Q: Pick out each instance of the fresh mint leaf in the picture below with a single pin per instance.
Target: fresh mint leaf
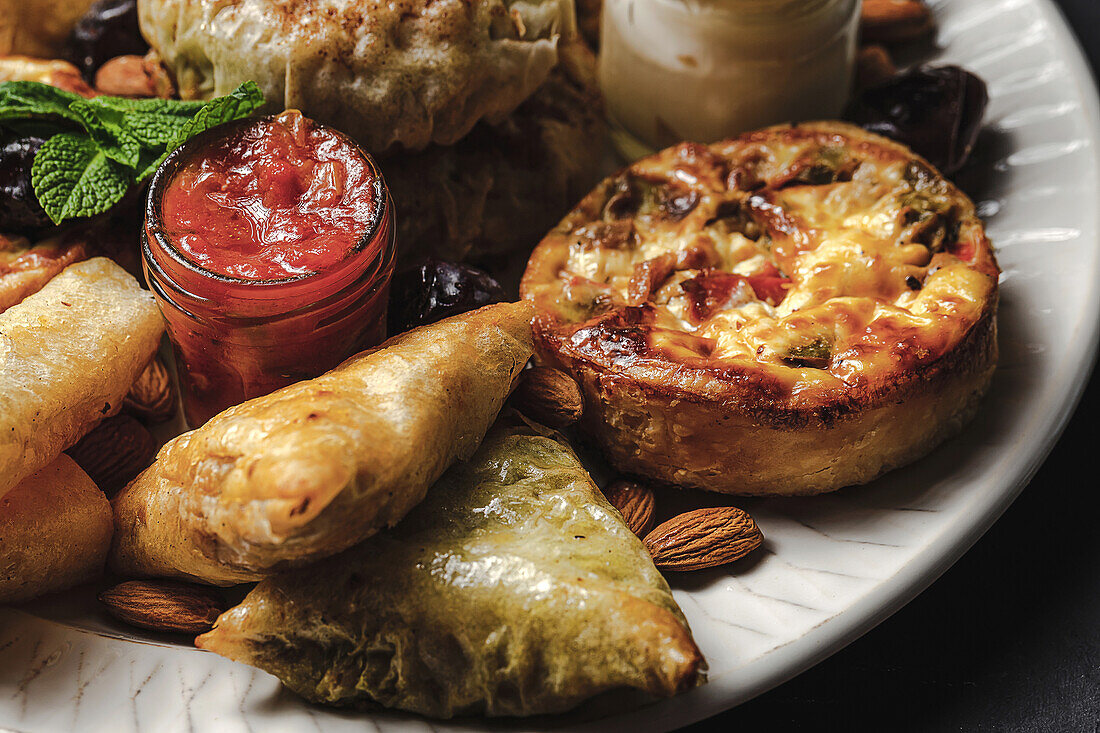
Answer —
(176, 107)
(153, 122)
(22, 100)
(148, 165)
(108, 130)
(155, 130)
(101, 147)
(241, 102)
(73, 177)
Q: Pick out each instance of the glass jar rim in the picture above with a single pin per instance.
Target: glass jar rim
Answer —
(166, 172)
(185, 300)
(758, 11)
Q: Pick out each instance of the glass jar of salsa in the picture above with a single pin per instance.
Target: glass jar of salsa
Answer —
(269, 244)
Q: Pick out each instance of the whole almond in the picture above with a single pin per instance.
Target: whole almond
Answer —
(153, 396)
(116, 451)
(125, 76)
(549, 396)
(895, 21)
(164, 605)
(635, 502)
(703, 538)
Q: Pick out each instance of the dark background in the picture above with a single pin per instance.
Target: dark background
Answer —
(1009, 638)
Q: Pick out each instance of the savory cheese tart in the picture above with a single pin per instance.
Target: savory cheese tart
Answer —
(788, 312)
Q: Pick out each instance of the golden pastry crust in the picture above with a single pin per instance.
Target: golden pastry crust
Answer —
(68, 355)
(38, 27)
(787, 312)
(502, 186)
(55, 529)
(54, 72)
(513, 589)
(26, 267)
(318, 466)
(404, 73)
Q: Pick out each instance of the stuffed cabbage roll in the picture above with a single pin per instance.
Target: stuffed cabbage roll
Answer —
(318, 466)
(513, 589)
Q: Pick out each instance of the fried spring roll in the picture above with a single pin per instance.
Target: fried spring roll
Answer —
(318, 466)
(55, 530)
(68, 355)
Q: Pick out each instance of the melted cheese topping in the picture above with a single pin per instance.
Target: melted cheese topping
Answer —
(822, 260)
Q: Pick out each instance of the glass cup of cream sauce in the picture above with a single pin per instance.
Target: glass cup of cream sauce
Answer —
(704, 70)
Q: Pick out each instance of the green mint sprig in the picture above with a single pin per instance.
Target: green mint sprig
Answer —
(108, 144)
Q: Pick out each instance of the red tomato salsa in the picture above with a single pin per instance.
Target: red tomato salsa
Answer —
(269, 245)
(277, 199)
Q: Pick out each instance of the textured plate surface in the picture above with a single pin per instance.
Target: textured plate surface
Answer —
(834, 566)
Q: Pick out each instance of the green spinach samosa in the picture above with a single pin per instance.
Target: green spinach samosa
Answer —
(513, 589)
(319, 466)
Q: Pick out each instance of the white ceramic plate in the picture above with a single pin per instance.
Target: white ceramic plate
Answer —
(834, 566)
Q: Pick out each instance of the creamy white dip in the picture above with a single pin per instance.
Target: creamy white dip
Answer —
(704, 70)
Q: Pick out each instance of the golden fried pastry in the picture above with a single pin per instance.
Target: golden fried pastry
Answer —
(513, 589)
(788, 312)
(501, 187)
(26, 267)
(55, 529)
(405, 73)
(318, 466)
(38, 27)
(54, 72)
(68, 355)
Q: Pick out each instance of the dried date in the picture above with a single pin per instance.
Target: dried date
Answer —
(20, 212)
(936, 110)
(108, 29)
(436, 290)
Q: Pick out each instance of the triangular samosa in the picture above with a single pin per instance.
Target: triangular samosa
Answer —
(318, 466)
(513, 589)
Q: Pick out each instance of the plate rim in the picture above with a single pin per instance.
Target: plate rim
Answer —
(832, 635)
(962, 531)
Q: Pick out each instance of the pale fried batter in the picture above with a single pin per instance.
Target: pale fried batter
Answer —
(402, 73)
(68, 355)
(318, 466)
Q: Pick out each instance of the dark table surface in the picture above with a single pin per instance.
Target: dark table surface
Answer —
(1009, 638)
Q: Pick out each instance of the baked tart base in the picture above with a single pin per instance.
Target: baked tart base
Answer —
(789, 312)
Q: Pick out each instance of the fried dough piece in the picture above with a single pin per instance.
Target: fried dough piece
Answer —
(513, 589)
(54, 72)
(68, 355)
(55, 530)
(26, 267)
(38, 27)
(318, 466)
(501, 187)
(390, 74)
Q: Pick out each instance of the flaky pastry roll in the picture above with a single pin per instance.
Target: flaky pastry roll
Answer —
(318, 466)
(68, 355)
(55, 529)
(513, 589)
